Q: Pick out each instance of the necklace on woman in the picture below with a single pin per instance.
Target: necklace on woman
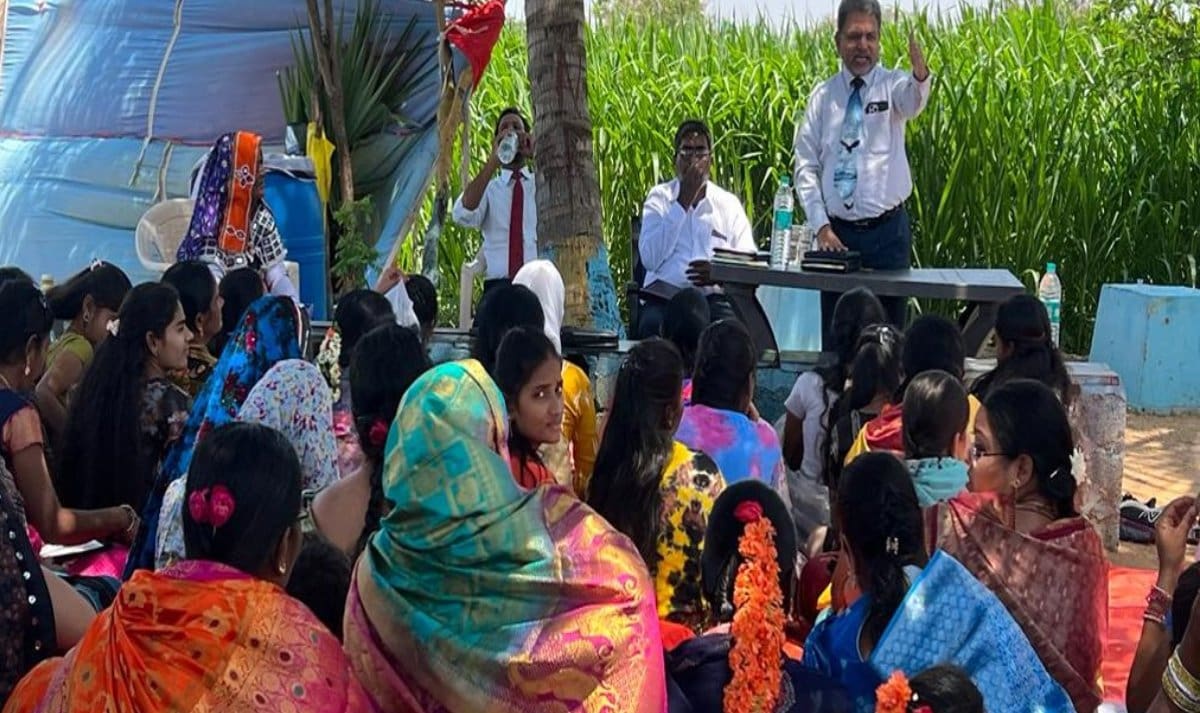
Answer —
(1036, 508)
(8, 385)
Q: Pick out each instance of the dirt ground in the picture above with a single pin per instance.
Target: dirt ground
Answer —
(1162, 460)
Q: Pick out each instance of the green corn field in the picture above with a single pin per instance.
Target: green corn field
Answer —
(1054, 133)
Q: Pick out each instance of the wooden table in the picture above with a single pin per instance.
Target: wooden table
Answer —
(982, 289)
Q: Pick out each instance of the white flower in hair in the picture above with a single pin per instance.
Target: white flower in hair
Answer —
(329, 361)
(113, 326)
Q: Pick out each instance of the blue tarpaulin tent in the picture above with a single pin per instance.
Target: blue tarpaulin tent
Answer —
(107, 105)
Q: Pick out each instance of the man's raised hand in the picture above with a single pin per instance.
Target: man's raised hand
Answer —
(916, 57)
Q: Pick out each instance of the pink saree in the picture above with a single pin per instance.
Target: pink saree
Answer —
(1053, 581)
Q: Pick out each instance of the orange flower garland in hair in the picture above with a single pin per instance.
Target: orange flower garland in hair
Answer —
(758, 620)
(896, 696)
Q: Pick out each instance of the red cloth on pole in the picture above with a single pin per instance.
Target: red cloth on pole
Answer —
(476, 33)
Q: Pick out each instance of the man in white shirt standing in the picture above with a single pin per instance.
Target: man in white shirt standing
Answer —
(683, 220)
(852, 171)
(499, 201)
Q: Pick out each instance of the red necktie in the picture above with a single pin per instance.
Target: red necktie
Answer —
(516, 228)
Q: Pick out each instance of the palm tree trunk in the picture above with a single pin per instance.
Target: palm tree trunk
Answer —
(568, 191)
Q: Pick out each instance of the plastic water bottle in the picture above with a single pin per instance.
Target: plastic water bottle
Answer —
(781, 233)
(507, 152)
(1050, 293)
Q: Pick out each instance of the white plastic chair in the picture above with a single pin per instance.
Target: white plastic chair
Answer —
(160, 231)
(466, 288)
(162, 228)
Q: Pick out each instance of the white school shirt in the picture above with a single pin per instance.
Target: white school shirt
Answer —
(672, 238)
(492, 217)
(811, 402)
(890, 97)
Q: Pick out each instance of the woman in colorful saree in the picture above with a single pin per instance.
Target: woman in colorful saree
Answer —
(478, 595)
(916, 611)
(292, 398)
(269, 332)
(1018, 532)
(232, 227)
(216, 631)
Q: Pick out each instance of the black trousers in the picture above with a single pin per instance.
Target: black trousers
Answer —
(654, 309)
(884, 246)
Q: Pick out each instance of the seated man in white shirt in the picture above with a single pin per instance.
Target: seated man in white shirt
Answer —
(499, 201)
(852, 173)
(683, 220)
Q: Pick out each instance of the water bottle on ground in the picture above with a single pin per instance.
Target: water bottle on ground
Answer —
(1050, 293)
(781, 233)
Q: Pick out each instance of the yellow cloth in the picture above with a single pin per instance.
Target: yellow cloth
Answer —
(690, 483)
(860, 441)
(579, 422)
(70, 343)
(320, 150)
(826, 599)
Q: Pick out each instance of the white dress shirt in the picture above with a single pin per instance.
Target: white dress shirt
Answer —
(672, 237)
(890, 97)
(493, 215)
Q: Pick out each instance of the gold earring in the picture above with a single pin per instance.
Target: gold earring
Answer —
(28, 369)
(282, 568)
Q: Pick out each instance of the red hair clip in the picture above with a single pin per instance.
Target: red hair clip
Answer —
(378, 433)
(211, 506)
(748, 511)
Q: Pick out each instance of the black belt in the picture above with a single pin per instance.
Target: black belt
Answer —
(868, 223)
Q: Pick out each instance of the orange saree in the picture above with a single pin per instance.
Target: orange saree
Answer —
(198, 636)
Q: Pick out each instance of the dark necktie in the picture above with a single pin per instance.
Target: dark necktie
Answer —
(516, 227)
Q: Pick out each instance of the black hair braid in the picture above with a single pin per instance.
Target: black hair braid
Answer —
(386, 361)
(888, 583)
(376, 501)
(881, 519)
(625, 487)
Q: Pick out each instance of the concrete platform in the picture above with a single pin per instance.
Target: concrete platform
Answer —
(1150, 335)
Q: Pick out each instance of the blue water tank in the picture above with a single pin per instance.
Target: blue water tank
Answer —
(300, 216)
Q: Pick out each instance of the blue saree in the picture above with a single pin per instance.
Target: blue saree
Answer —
(947, 616)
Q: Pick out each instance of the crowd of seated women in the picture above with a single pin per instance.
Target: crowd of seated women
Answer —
(373, 532)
